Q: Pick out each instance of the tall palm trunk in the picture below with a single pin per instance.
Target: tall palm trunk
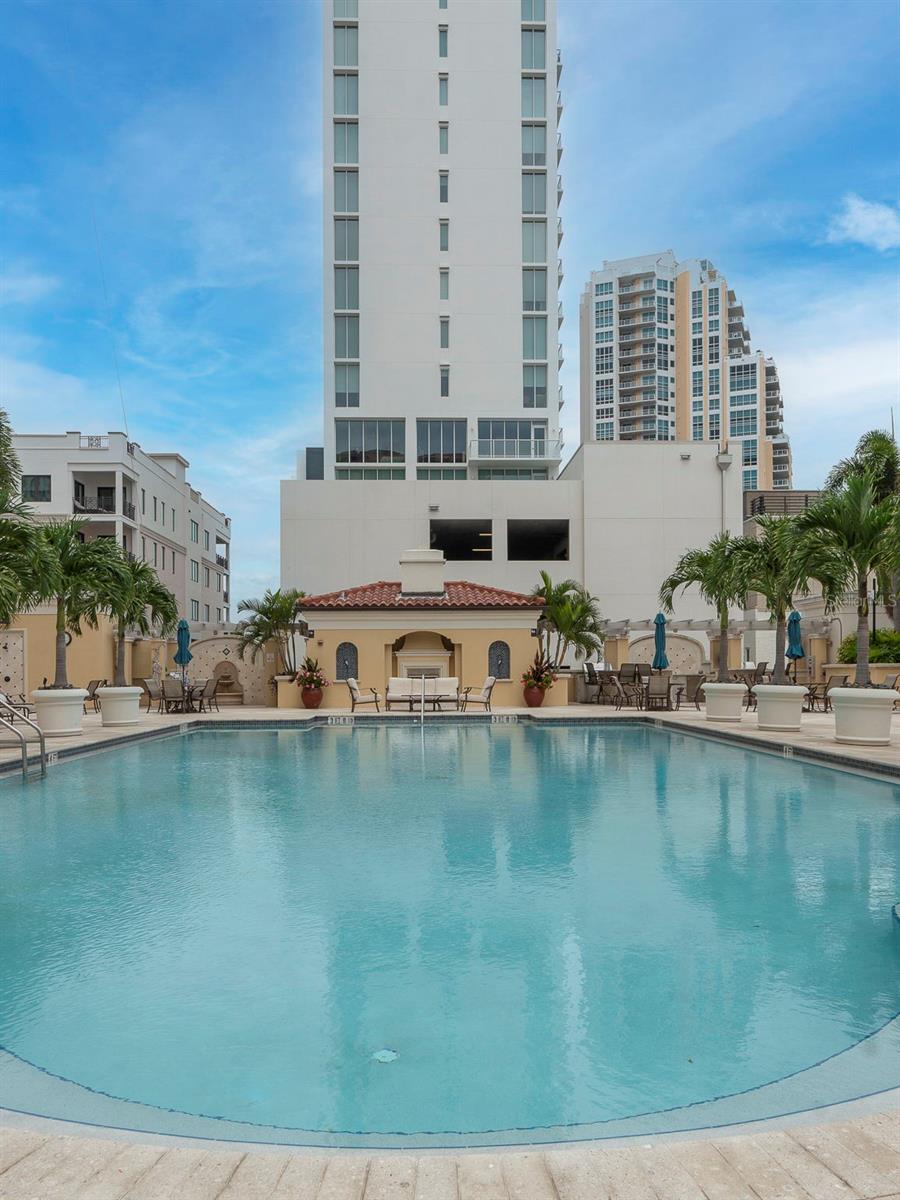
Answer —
(119, 680)
(895, 596)
(723, 645)
(862, 631)
(779, 675)
(62, 679)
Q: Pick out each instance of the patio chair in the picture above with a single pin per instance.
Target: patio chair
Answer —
(173, 695)
(474, 696)
(592, 680)
(693, 690)
(761, 672)
(644, 672)
(357, 697)
(206, 697)
(820, 696)
(628, 673)
(92, 697)
(614, 693)
(154, 694)
(657, 693)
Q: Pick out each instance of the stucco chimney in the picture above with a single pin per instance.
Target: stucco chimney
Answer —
(422, 573)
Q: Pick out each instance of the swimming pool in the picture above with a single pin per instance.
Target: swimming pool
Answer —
(471, 934)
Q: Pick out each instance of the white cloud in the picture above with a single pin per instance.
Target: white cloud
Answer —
(867, 223)
(19, 285)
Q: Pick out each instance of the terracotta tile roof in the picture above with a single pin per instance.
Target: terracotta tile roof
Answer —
(458, 593)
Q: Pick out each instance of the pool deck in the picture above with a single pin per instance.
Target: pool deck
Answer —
(849, 1152)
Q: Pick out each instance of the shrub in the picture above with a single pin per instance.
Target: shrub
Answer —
(884, 647)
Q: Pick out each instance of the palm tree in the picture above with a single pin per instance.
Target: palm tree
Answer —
(773, 564)
(136, 599)
(718, 572)
(24, 569)
(572, 615)
(878, 454)
(852, 534)
(80, 576)
(272, 619)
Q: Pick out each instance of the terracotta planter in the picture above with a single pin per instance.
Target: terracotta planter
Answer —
(534, 696)
(779, 706)
(724, 701)
(311, 697)
(862, 716)
(58, 711)
(120, 705)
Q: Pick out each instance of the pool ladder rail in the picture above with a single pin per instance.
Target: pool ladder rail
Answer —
(8, 715)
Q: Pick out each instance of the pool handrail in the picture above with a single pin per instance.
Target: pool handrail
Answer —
(7, 707)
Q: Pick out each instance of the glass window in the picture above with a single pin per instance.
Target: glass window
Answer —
(444, 283)
(443, 186)
(534, 241)
(346, 239)
(534, 49)
(442, 3)
(443, 89)
(346, 191)
(36, 488)
(206, 576)
(696, 350)
(534, 289)
(195, 610)
(749, 481)
(442, 41)
(346, 337)
(606, 431)
(346, 385)
(346, 142)
(346, 287)
(533, 10)
(346, 661)
(534, 192)
(206, 539)
(534, 96)
(512, 438)
(369, 441)
(346, 95)
(534, 386)
(346, 46)
(347, 9)
(534, 337)
(697, 428)
(713, 301)
(143, 500)
(445, 381)
(498, 660)
(713, 387)
(696, 383)
(195, 532)
(697, 304)
(742, 377)
(195, 571)
(444, 234)
(534, 145)
(445, 333)
(742, 422)
(713, 348)
(749, 451)
(443, 138)
(439, 441)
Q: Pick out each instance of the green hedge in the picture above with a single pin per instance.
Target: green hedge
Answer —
(884, 647)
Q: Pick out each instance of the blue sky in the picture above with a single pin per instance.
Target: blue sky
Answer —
(182, 139)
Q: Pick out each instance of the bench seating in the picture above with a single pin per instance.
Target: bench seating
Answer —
(408, 691)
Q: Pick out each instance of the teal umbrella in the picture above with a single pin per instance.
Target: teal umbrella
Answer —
(660, 662)
(183, 654)
(794, 644)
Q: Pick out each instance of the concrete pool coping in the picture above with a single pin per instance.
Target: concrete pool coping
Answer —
(845, 1150)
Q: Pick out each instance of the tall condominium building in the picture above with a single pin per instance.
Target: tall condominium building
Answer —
(143, 501)
(665, 356)
(441, 241)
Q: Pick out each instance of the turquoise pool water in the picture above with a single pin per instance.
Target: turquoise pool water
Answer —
(549, 929)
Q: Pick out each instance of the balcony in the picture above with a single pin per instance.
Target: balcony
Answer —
(559, 314)
(92, 506)
(494, 450)
(559, 231)
(559, 105)
(93, 441)
(559, 148)
(221, 560)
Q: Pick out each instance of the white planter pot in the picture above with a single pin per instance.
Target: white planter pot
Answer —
(58, 711)
(862, 716)
(724, 701)
(779, 706)
(120, 705)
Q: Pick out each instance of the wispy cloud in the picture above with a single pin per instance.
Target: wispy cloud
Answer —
(19, 285)
(866, 223)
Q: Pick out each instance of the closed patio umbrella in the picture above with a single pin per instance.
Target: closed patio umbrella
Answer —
(795, 649)
(183, 654)
(660, 662)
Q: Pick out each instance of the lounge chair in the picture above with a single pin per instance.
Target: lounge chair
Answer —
(357, 697)
(92, 697)
(206, 697)
(472, 695)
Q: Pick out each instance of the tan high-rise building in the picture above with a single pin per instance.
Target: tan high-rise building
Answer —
(665, 356)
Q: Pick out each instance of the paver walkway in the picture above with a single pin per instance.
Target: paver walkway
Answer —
(850, 1160)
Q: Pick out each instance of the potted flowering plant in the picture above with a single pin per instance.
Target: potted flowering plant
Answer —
(536, 680)
(311, 681)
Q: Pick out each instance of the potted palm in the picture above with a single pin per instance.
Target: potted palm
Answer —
(137, 600)
(79, 575)
(570, 620)
(271, 620)
(852, 535)
(536, 680)
(717, 572)
(311, 681)
(772, 564)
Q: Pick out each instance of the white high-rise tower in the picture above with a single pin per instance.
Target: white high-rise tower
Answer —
(441, 240)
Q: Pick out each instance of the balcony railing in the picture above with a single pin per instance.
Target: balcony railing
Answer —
(498, 449)
(788, 504)
(101, 506)
(221, 560)
(93, 441)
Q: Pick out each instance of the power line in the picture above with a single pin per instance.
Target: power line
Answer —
(108, 309)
